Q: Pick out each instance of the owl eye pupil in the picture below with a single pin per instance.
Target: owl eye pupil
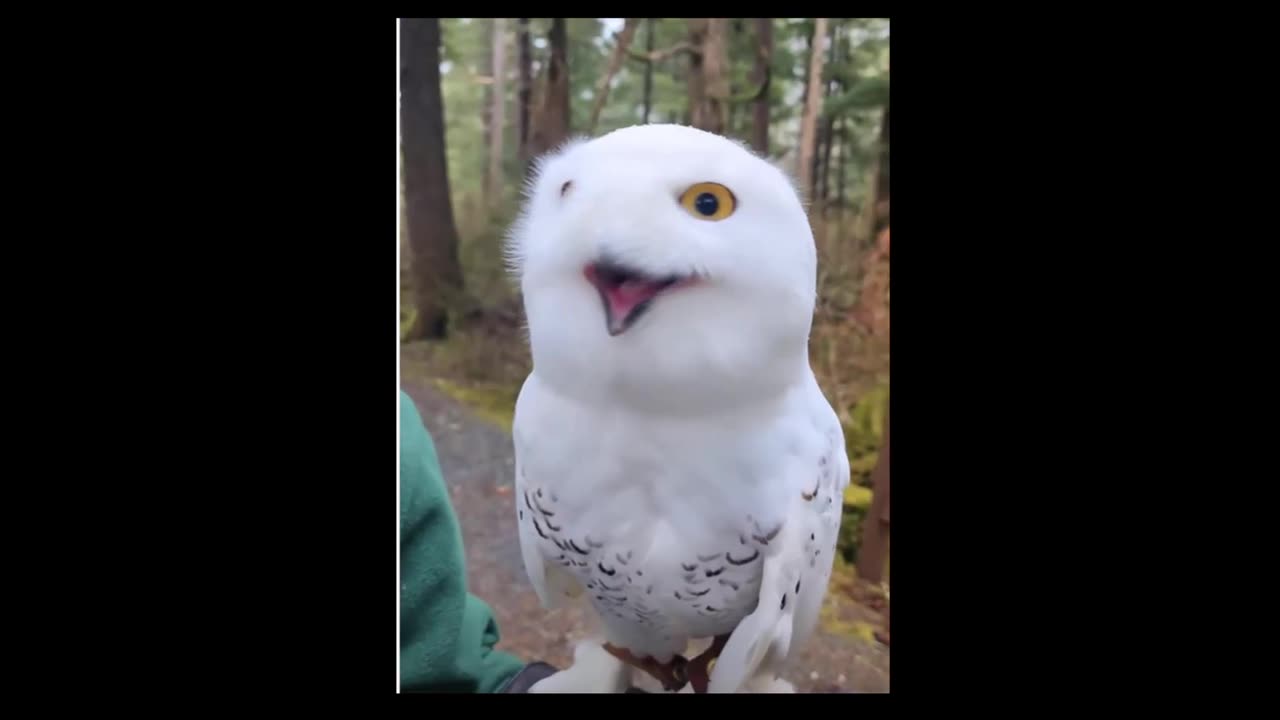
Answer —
(706, 203)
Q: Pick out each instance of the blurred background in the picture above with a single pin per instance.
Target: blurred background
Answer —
(481, 97)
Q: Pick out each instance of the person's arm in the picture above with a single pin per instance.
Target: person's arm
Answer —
(447, 635)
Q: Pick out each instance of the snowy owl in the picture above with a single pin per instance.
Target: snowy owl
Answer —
(676, 461)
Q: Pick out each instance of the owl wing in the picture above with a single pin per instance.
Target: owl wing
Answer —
(797, 567)
(550, 581)
(553, 583)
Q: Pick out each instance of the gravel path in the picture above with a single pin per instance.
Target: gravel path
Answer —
(477, 461)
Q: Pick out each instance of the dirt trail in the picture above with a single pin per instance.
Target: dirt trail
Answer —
(477, 460)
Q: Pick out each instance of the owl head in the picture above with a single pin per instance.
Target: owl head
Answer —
(664, 268)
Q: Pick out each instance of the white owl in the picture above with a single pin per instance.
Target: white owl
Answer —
(676, 461)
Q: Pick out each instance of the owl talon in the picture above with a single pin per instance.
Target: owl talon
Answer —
(700, 667)
(677, 672)
(671, 674)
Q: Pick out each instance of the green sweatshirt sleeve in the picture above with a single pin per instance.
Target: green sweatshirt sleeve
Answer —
(447, 635)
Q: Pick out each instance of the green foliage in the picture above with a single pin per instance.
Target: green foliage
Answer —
(869, 93)
(850, 533)
(588, 58)
(857, 496)
(862, 68)
(466, 45)
(863, 433)
(480, 251)
(408, 314)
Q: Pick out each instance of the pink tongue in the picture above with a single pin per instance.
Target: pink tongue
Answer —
(625, 297)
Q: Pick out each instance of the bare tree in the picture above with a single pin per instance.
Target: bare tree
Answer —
(708, 74)
(733, 127)
(809, 119)
(882, 175)
(551, 121)
(484, 73)
(842, 131)
(829, 120)
(872, 308)
(497, 111)
(648, 69)
(655, 56)
(874, 546)
(433, 237)
(707, 79)
(760, 74)
(526, 85)
(875, 208)
(622, 41)
(841, 161)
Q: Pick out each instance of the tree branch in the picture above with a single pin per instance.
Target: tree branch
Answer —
(750, 96)
(660, 55)
(622, 41)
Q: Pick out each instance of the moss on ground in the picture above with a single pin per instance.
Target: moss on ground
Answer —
(492, 403)
(842, 614)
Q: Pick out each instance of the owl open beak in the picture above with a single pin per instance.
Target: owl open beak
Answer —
(625, 293)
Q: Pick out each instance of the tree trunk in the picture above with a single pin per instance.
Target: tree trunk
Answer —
(875, 210)
(764, 56)
(809, 120)
(808, 66)
(551, 123)
(622, 42)
(874, 546)
(882, 175)
(715, 71)
(708, 74)
(433, 238)
(484, 65)
(558, 84)
(841, 162)
(844, 134)
(497, 111)
(648, 70)
(696, 83)
(872, 308)
(734, 111)
(884, 637)
(526, 86)
(828, 123)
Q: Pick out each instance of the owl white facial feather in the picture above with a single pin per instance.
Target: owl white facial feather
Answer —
(676, 461)
(688, 310)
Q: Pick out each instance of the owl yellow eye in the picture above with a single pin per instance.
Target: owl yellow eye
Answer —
(708, 201)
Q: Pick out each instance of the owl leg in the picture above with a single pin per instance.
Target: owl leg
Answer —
(672, 674)
(593, 671)
(677, 672)
(700, 667)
